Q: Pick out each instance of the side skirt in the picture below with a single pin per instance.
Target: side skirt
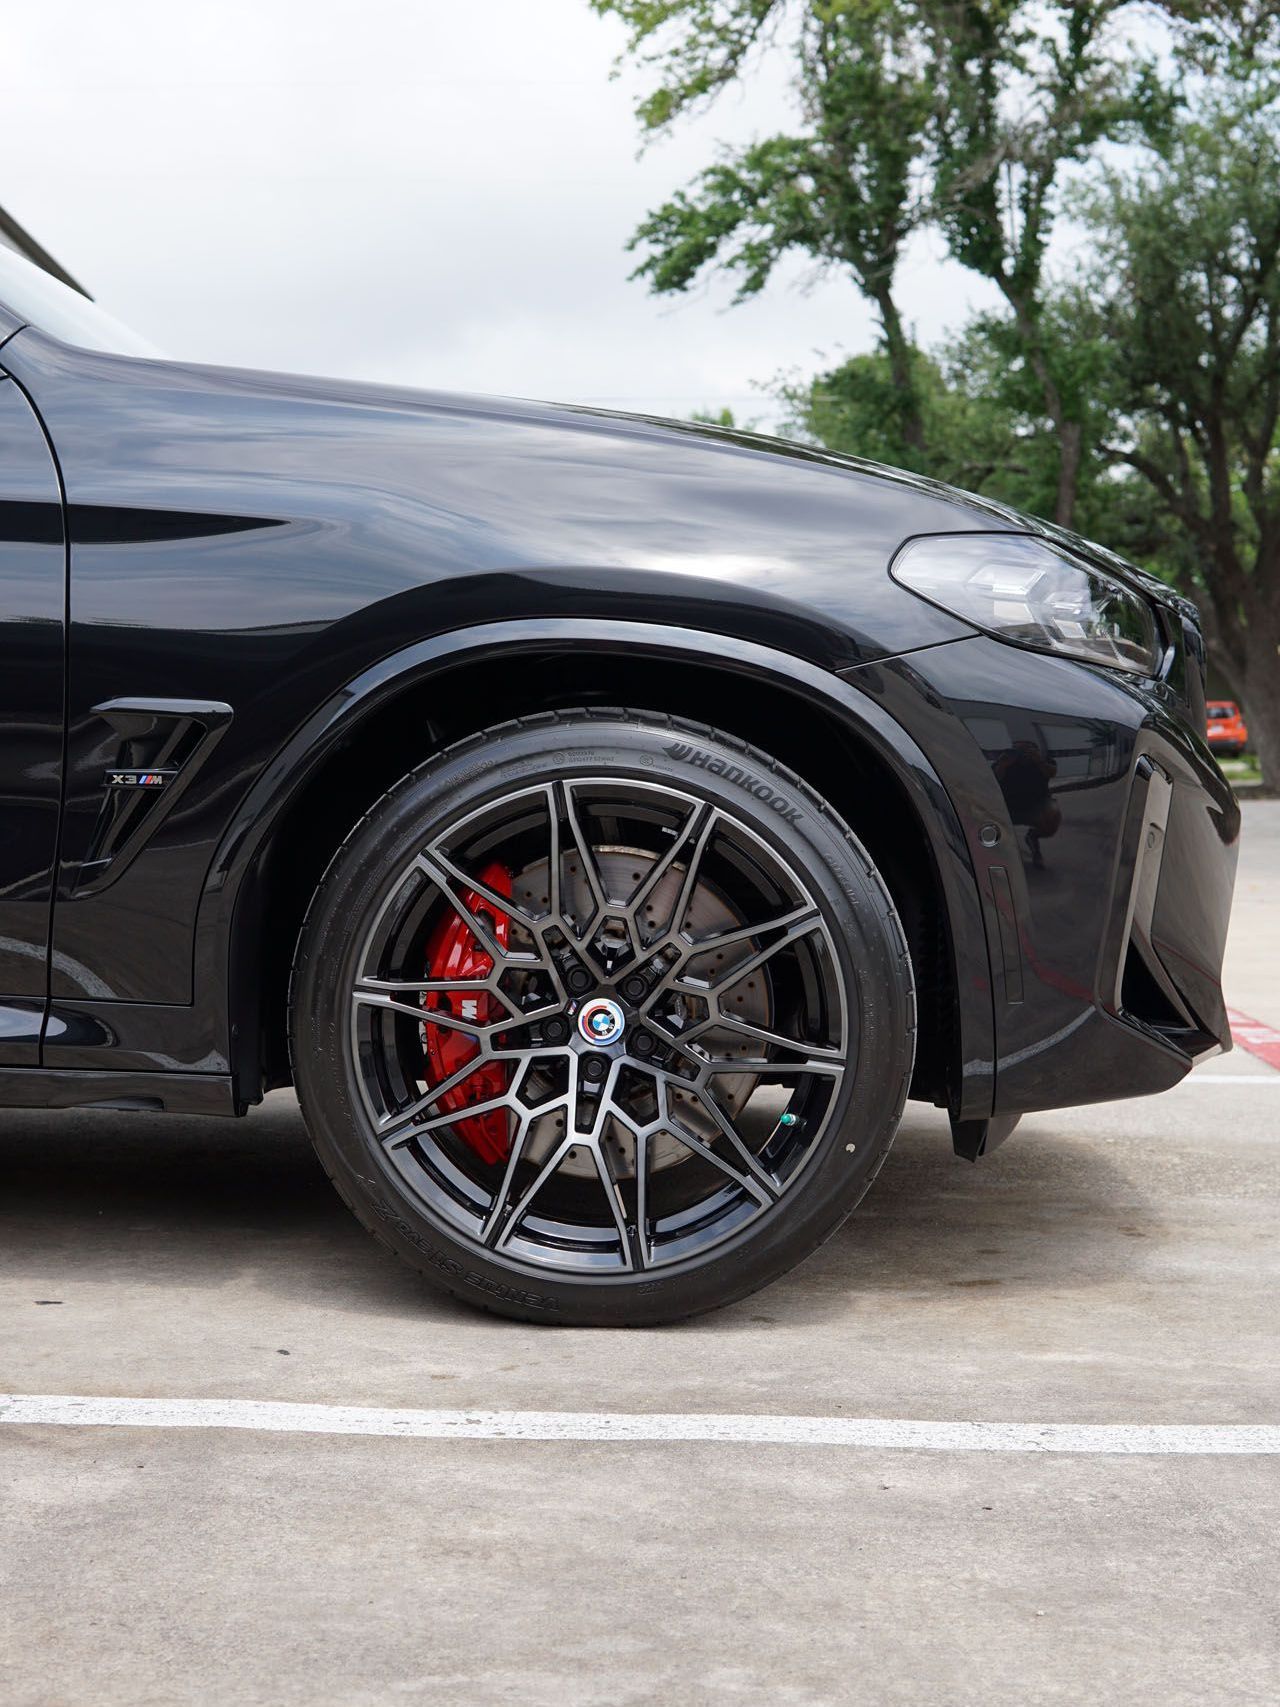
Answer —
(158, 1093)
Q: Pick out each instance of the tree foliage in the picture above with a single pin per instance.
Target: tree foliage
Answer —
(1132, 390)
(962, 116)
(1188, 288)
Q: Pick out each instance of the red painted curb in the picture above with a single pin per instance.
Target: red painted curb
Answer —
(1256, 1036)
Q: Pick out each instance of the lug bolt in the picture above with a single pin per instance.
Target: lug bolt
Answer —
(642, 1043)
(556, 1030)
(634, 988)
(596, 1066)
(579, 980)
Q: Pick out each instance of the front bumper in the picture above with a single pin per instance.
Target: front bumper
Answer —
(1103, 840)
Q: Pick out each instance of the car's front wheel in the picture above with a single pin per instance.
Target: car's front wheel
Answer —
(602, 1018)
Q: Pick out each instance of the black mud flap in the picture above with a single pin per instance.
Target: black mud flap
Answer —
(973, 1138)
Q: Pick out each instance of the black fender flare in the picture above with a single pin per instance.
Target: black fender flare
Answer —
(310, 744)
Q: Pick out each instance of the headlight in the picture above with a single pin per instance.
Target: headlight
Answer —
(1025, 589)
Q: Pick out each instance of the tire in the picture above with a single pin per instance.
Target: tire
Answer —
(758, 937)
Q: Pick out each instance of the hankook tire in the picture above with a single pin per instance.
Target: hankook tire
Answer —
(601, 1017)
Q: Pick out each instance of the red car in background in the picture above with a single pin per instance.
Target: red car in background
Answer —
(1227, 732)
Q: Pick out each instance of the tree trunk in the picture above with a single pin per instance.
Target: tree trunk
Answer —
(1070, 448)
(898, 348)
(1070, 433)
(1260, 688)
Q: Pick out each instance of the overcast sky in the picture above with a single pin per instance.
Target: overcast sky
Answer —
(432, 192)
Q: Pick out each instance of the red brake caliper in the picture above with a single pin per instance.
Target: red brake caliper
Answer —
(454, 953)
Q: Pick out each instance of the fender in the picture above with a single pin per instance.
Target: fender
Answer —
(279, 782)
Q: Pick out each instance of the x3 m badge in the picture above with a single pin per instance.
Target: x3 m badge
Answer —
(139, 779)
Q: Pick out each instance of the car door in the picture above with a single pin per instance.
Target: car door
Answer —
(32, 636)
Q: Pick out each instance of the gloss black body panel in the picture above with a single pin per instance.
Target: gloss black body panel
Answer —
(32, 600)
(263, 541)
(1050, 765)
(258, 563)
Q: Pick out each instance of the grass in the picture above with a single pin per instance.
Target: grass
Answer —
(1242, 770)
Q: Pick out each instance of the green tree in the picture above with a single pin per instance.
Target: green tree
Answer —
(986, 425)
(1187, 286)
(964, 116)
(839, 191)
(1138, 399)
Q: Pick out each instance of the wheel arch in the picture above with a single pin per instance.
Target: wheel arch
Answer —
(362, 740)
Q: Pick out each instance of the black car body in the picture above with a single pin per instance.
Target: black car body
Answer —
(237, 607)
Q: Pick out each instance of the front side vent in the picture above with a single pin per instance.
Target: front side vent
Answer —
(160, 746)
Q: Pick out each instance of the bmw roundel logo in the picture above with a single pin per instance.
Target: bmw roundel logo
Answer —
(601, 1021)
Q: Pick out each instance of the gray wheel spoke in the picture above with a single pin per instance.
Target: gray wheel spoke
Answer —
(490, 1105)
(680, 910)
(808, 922)
(544, 1173)
(710, 1066)
(424, 986)
(499, 903)
(748, 1178)
(726, 939)
(641, 1235)
(589, 870)
(390, 1127)
(812, 1052)
(551, 798)
(603, 1103)
(691, 828)
(497, 1216)
(445, 882)
(433, 1016)
(706, 1100)
(613, 1196)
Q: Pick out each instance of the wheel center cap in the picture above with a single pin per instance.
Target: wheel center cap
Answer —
(601, 1021)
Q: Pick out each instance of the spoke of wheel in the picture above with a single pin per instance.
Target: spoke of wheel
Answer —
(613, 1196)
(588, 859)
(424, 986)
(804, 927)
(640, 1245)
(730, 1131)
(475, 924)
(390, 1127)
(726, 939)
(814, 1053)
(710, 1066)
(500, 903)
(763, 1192)
(496, 1220)
(490, 1105)
(433, 1016)
(691, 827)
(544, 1173)
(691, 877)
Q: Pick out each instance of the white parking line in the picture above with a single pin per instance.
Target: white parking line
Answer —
(881, 1434)
(1231, 1079)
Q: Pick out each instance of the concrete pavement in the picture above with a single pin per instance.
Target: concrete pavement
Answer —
(1115, 1264)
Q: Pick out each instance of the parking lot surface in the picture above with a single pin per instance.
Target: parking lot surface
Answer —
(1114, 1265)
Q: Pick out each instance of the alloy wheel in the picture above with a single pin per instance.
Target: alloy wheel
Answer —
(599, 1026)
